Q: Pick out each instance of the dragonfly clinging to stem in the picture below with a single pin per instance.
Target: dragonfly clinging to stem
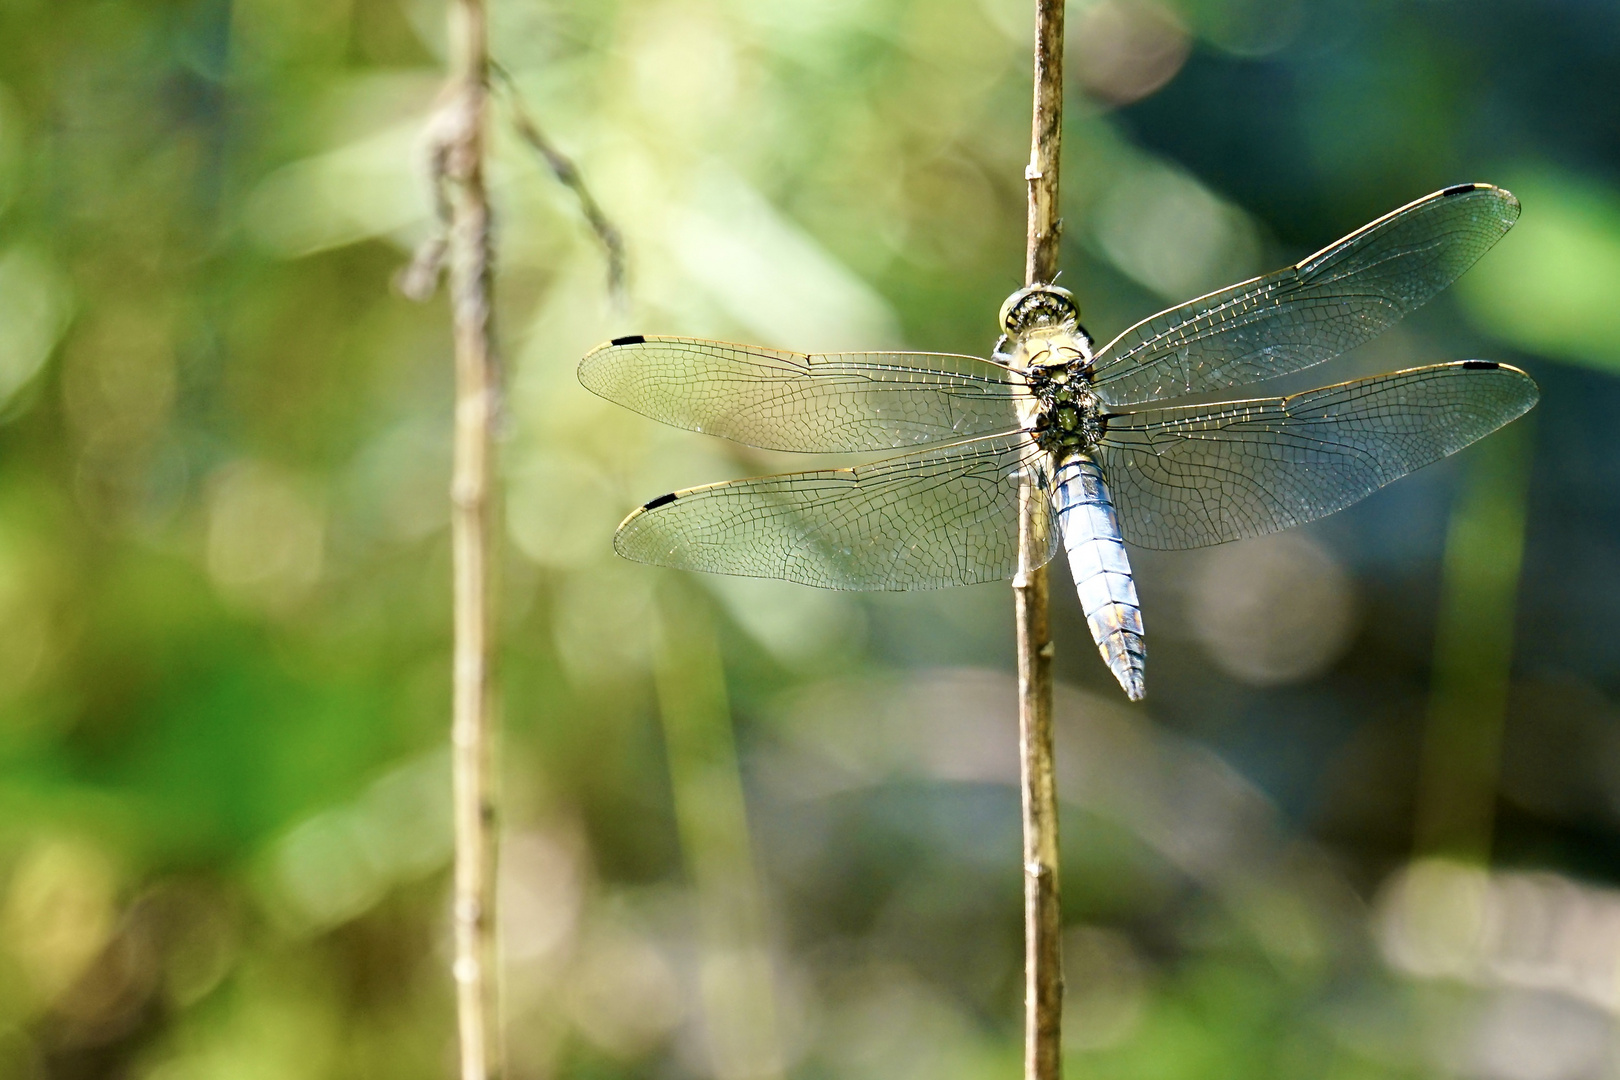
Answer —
(1050, 413)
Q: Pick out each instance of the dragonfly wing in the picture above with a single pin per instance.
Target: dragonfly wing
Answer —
(811, 403)
(944, 516)
(1345, 294)
(1206, 474)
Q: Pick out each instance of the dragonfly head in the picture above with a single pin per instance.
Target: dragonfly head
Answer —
(1044, 322)
(1039, 307)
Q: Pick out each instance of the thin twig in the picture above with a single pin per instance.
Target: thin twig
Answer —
(569, 175)
(472, 517)
(1043, 918)
(420, 277)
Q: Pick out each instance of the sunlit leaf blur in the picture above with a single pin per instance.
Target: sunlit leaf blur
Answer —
(1365, 824)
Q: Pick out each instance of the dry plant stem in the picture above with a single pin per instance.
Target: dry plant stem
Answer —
(1045, 226)
(472, 517)
(1043, 918)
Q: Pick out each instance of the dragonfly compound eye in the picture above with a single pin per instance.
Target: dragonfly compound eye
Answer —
(1039, 306)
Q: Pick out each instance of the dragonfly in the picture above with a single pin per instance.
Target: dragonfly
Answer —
(1080, 439)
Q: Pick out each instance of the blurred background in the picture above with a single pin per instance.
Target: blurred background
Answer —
(1366, 824)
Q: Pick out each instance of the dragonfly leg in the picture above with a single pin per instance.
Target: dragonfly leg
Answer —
(1102, 572)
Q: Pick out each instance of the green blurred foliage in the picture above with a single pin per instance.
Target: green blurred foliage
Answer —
(1555, 296)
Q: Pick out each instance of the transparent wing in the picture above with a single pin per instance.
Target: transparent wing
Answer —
(821, 403)
(1206, 474)
(1343, 295)
(945, 516)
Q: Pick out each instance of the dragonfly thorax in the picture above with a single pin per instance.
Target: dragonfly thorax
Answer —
(1068, 416)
